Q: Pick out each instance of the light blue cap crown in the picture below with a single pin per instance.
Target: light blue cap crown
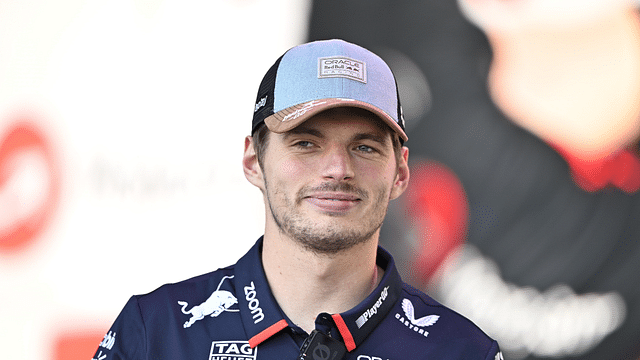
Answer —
(316, 76)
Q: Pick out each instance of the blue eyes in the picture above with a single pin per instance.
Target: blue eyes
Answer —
(365, 148)
(360, 148)
(304, 144)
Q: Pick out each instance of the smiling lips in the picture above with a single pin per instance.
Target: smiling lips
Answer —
(333, 202)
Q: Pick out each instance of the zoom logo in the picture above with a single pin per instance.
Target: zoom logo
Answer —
(253, 303)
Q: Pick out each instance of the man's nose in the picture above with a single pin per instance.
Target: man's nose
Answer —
(338, 164)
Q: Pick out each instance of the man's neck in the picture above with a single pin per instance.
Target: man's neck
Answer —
(306, 284)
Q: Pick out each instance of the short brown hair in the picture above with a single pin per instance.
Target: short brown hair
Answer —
(260, 142)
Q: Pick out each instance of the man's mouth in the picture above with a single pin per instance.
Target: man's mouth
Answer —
(335, 196)
(333, 202)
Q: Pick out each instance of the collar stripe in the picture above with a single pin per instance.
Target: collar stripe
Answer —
(267, 333)
(344, 331)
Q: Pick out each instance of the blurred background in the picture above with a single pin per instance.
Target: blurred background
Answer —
(119, 120)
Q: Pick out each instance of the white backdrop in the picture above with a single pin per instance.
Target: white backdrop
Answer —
(134, 113)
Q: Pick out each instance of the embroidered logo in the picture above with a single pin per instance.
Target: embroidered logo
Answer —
(108, 341)
(232, 350)
(374, 309)
(100, 356)
(253, 303)
(341, 66)
(219, 302)
(260, 104)
(411, 322)
(303, 110)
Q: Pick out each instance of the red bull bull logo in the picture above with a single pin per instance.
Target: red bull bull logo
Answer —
(218, 302)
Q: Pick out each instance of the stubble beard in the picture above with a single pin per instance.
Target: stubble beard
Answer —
(331, 239)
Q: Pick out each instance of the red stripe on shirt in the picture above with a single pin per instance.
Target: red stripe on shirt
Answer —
(344, 331)
(267, 333)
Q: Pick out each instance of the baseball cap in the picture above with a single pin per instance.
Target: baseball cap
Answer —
(321, 75)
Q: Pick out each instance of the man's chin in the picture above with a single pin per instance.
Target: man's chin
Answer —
(331, 240)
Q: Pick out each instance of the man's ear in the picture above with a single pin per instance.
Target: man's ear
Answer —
(250, 164)
(402, 177)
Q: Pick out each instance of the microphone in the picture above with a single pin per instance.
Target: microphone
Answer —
(319, 346)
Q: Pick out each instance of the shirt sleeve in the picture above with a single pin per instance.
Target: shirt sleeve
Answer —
(494, 352)
(126, 339)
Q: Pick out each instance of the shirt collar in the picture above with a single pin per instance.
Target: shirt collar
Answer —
(262, 317)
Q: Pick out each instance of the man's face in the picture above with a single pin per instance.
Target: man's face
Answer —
(328, 182)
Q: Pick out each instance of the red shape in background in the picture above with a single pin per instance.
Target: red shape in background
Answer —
(77, 346)
(438, 210)
(620, 169)
(25, 136)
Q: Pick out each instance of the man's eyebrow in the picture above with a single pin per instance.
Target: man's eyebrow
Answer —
(379, 138)
(302, 130)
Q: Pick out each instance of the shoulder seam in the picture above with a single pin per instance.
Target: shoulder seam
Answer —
(144, 326)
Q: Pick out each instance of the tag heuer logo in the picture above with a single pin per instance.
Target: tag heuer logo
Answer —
(340, 66)
(232, 350)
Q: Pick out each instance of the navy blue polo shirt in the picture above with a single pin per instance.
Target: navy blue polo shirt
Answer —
(230, 314)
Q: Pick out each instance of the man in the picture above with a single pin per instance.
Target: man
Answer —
(326, 152)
